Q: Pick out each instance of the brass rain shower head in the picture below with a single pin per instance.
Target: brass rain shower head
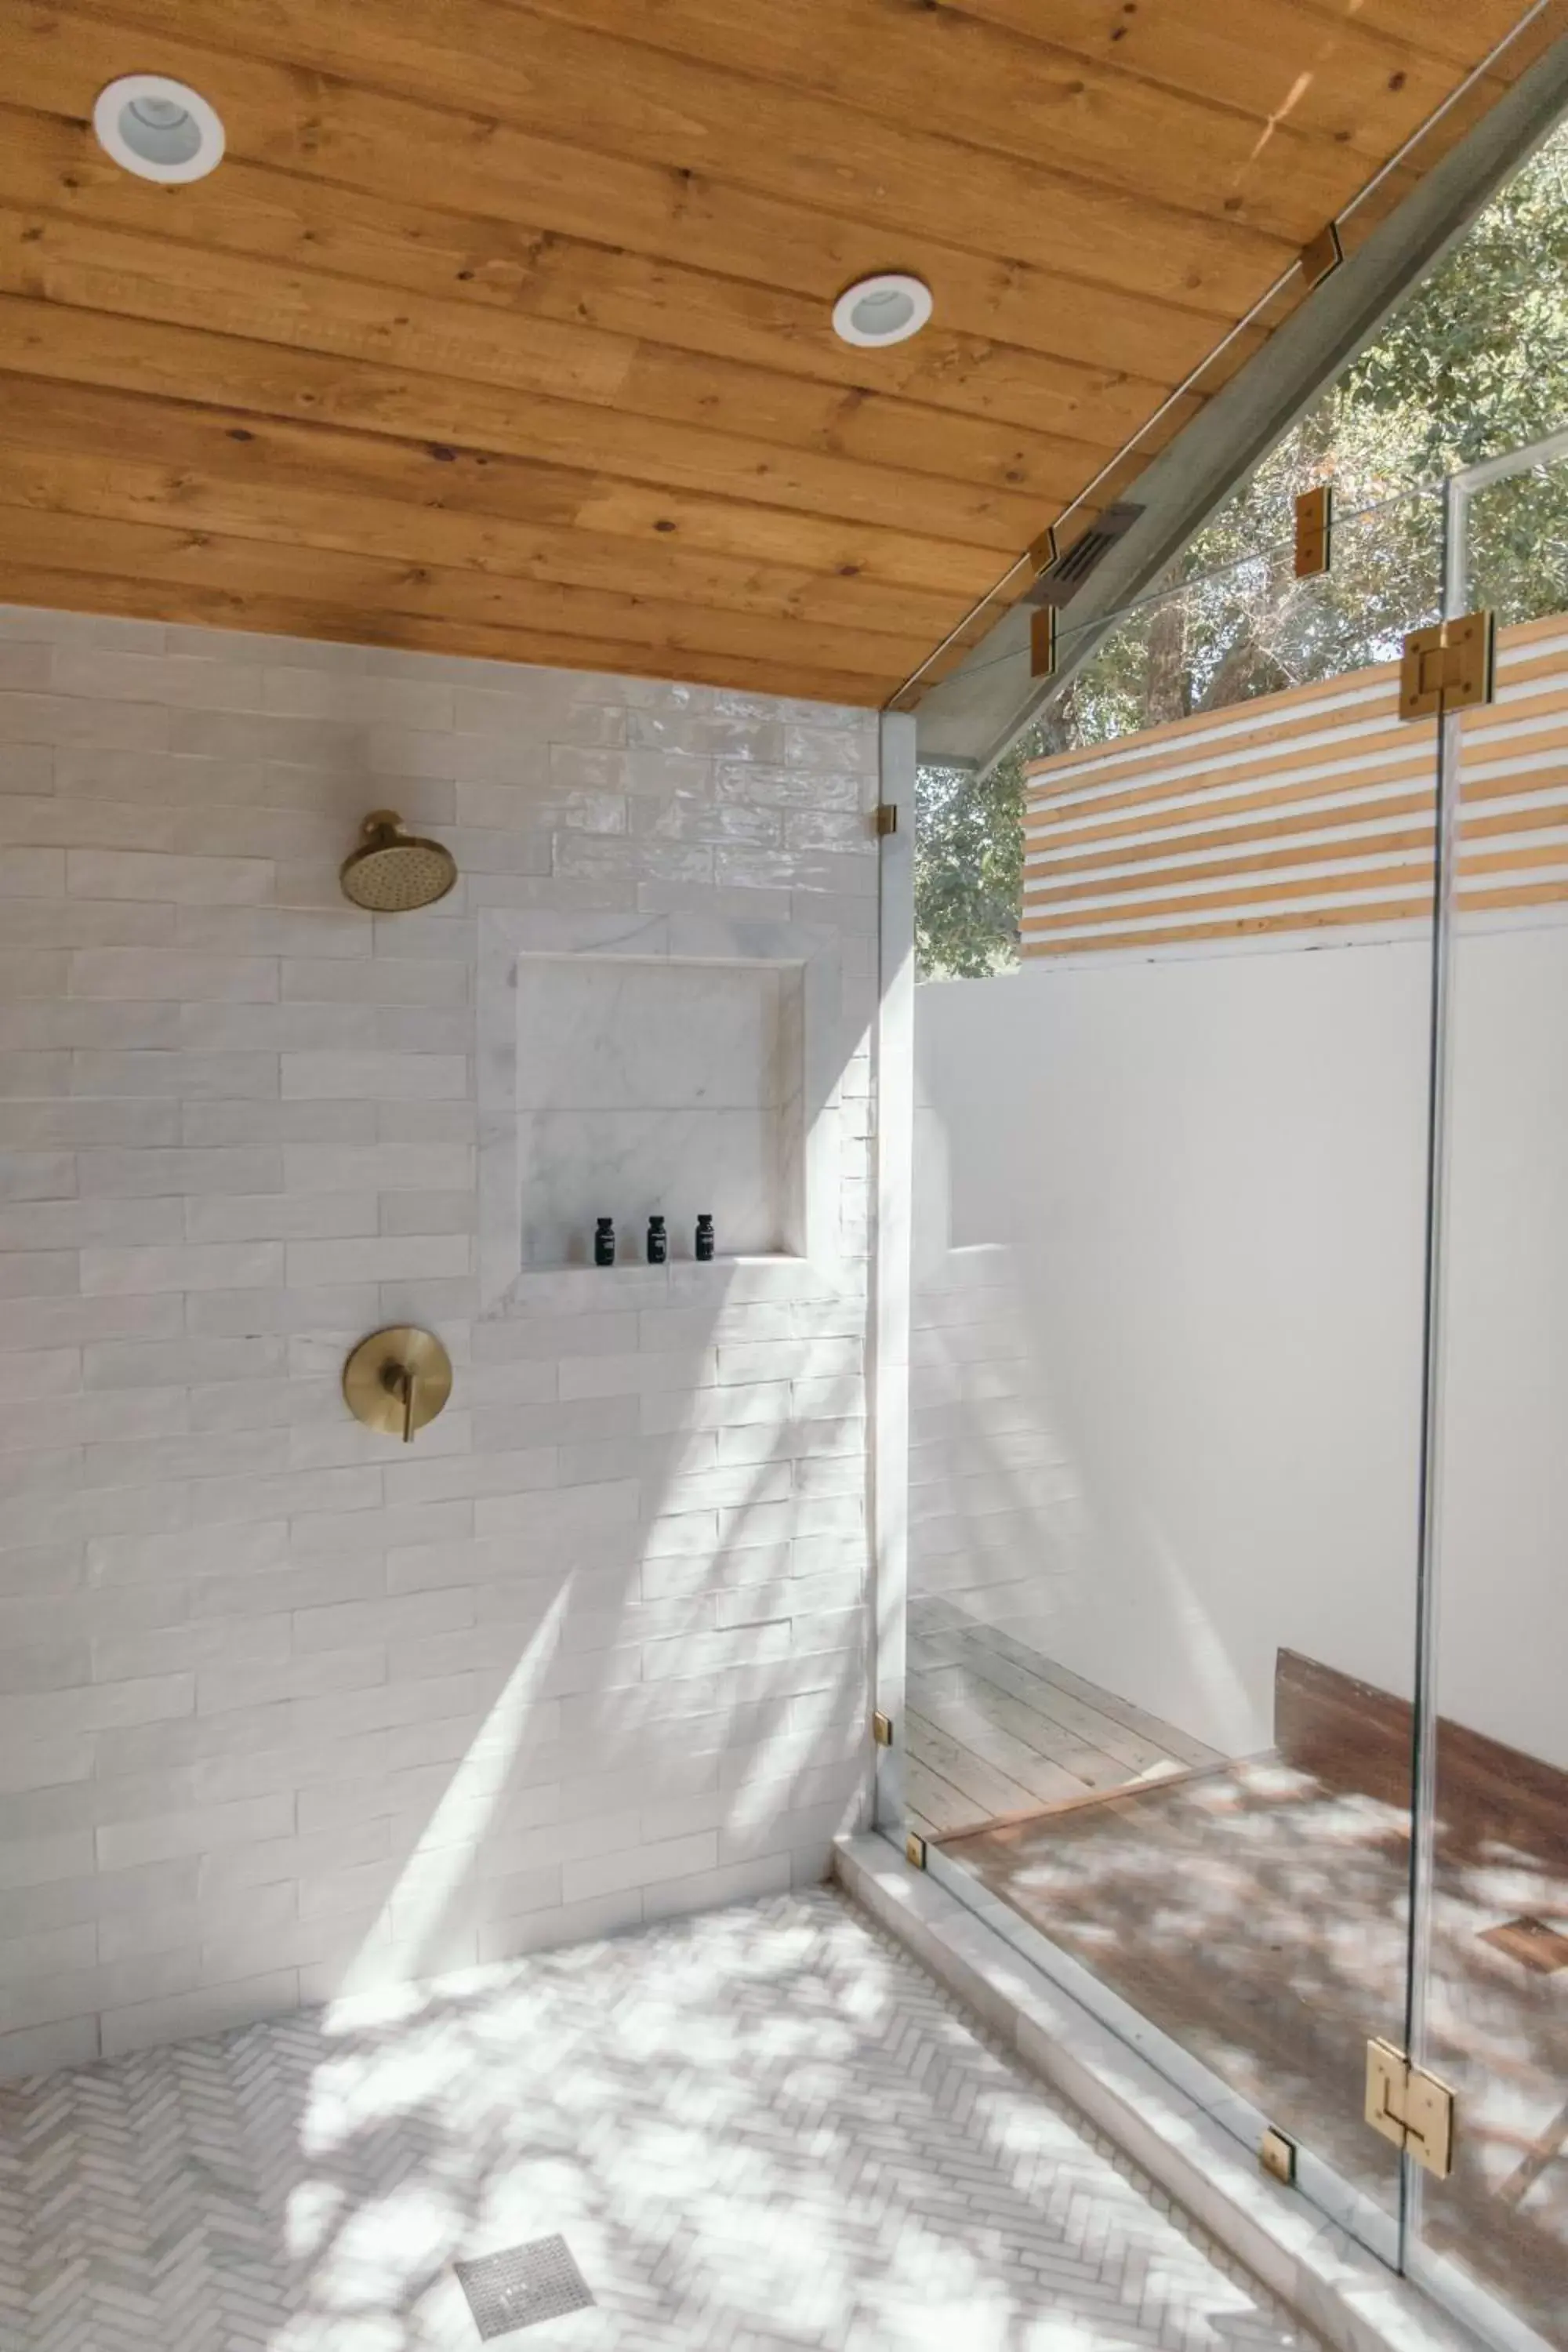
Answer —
(393, 872)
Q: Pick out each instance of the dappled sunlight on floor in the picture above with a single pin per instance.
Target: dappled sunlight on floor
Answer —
(1259, 1914)
(760, 2128)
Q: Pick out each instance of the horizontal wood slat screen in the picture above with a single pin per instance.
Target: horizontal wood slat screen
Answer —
(1307, 810)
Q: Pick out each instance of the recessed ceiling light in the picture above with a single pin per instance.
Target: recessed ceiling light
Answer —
(888, 308)
(157, 128)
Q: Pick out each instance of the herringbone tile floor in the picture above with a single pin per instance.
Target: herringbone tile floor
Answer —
(761, 2128)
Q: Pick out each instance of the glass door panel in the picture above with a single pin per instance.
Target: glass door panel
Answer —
(1491, 1988)
(1166, 1391)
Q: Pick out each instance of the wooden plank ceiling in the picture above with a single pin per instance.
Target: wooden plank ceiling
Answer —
(504, 327)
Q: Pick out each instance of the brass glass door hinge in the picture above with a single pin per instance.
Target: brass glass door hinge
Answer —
(915, 1849)
(1410, 2108)
(1448, 668)
(887, 818)
(882, 1729)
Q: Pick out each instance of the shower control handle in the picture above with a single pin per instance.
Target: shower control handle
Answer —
(397, 1380)
(403, 1382)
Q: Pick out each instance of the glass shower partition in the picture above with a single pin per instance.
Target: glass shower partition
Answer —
(1167, 1341)
(1489, 1985)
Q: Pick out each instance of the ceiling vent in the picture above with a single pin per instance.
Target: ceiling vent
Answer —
(1064, 575)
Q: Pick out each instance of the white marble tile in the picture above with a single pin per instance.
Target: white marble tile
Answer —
(574, 1166)
(616, 1059)
(614, 1033)
(811, 2146)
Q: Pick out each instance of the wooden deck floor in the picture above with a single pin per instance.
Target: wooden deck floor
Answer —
(995, 1730)
(1255, 1910)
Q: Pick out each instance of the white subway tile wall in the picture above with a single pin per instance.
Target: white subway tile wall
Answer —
(286, 1710)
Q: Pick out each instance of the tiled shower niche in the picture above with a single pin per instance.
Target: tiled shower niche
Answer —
(673, 1063)
(658, 1085)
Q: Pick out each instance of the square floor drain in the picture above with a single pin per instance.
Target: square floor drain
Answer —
(523, 2286)
(1537, 1945)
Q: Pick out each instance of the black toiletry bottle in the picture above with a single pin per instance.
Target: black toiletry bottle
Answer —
(658, 1242)
(604, 1243)
(705, 1236)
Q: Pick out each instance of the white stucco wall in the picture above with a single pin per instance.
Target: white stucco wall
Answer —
(1169, 1322)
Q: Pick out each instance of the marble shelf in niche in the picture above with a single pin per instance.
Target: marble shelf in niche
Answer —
(692, 1269)
(730, 1281)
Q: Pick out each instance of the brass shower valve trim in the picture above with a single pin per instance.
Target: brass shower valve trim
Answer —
(397, 1380)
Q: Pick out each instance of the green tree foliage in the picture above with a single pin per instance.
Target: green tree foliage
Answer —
(1474, 363)
(969, 869)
